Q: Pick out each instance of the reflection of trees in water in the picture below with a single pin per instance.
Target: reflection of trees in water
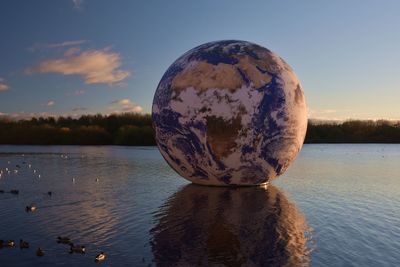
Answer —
(220, 226)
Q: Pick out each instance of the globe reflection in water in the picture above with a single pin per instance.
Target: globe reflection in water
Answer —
(213, 226)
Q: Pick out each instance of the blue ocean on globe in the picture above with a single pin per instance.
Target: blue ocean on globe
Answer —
(229, 113)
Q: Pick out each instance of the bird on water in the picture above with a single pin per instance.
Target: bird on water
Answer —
(30, 208)
(63, 240)
(23, 244)
(10, 243)
(100, 257)
(77, 249)
(40, 252)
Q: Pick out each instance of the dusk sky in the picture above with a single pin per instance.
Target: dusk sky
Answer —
(71, 57)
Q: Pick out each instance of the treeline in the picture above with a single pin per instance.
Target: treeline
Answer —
(123, 129)
(136, 129)
(354, 131)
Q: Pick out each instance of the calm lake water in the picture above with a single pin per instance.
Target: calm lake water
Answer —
(337, 205)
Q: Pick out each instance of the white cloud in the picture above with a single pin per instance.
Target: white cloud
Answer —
(94, 66)
(122, 102)
(120, 85)
(125, 105)
(50, 103)
(72, 51)
(3, 85)
(136, 109)
(78, 4)
(79, 92)
(66, 43)
(41, 46)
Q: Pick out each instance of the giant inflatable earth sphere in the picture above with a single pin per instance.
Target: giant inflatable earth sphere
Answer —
(229, 113)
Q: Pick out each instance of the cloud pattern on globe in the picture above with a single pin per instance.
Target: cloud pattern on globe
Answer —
(229, 113)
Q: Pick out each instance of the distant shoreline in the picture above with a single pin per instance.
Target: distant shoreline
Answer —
(132, 129)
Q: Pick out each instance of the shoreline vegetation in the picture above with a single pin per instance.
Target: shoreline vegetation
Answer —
(132, 129)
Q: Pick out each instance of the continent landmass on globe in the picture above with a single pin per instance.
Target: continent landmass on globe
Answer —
(229, 113)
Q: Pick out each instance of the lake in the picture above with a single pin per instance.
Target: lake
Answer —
(337, 205)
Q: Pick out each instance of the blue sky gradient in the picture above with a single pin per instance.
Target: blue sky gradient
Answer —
(346, 53)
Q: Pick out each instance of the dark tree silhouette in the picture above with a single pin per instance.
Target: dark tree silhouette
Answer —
(136, 129)
(123, 129)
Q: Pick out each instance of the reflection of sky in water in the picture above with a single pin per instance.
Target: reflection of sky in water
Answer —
(253, 226)
(350, 195)
(100, 215)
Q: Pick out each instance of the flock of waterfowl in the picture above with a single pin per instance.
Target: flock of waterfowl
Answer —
(61, 240)
(23, 244)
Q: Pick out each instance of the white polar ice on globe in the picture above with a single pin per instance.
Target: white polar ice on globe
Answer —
(229, 113)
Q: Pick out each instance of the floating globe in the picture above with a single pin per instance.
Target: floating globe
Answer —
(229, 113)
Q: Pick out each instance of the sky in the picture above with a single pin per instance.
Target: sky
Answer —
(72, 57)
